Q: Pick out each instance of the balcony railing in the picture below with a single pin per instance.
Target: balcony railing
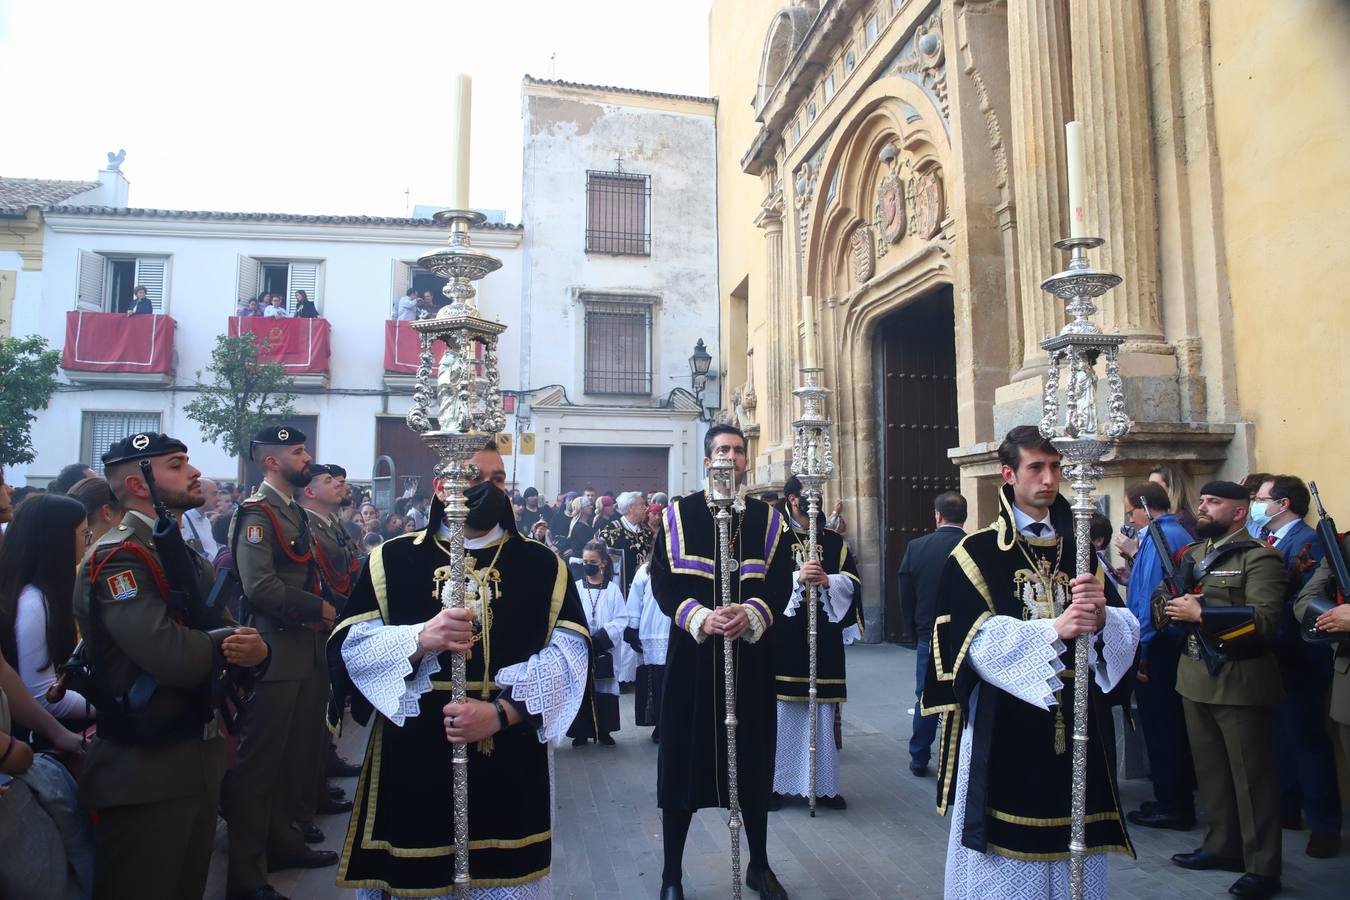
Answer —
(110, 347)
(300, 346)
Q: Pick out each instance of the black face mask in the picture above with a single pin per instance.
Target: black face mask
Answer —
(486, 506)
(592, 569)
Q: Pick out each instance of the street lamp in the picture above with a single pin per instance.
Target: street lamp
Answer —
(699, 363)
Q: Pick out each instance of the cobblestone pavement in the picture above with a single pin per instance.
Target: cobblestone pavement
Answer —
(889, 843)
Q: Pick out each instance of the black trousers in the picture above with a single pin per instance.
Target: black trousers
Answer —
(1163, 721)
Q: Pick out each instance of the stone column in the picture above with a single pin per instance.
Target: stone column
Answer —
(770, 219)
(1041, 80)
(1111, 95)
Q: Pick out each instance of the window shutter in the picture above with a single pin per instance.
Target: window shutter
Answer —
(399, 282)
(103, 429)
(153, 274)
(304, 276)
(248, 280)
(92, 267)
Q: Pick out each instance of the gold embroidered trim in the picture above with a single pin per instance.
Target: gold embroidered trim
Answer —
(1057, 822)
(445, 891)
(797, 679)
(961, 654)
(973, 573)
(951, 727)
(355, 620)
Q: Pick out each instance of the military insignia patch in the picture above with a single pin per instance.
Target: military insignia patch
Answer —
(122, 586)
(253, 534)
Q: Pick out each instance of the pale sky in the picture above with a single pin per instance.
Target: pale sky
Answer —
(311, 107)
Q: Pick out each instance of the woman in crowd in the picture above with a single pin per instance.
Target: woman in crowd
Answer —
(304, 307)
(276, 308)
(42, 549)
(393, 526)
(1173, 480)
(607, 617)
(539, 531)
(100, 506)
(250, 307)
(369, 515)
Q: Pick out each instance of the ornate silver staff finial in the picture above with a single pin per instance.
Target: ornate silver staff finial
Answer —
(1074, 423)
(456, 413)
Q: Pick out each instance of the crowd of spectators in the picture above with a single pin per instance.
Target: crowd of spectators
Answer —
(273, 306)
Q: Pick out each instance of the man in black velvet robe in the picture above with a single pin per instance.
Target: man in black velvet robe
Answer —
(527, 670)
(685, 578)
(1001, 674)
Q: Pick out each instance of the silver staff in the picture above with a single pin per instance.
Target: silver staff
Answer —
(1078, 435)
(722, 493)
(812, 463)
(468, 409)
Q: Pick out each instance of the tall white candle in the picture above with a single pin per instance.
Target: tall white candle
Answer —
(461, 110)
(1073, 138)
(808, 334)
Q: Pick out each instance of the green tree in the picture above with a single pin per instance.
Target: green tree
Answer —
(243, 394)
(27, 382)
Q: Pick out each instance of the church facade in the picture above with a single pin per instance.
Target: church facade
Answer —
(902, 163)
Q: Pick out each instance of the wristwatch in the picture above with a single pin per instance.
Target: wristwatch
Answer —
(501, 714)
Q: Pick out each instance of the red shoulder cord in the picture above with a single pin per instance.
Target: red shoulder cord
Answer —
(341, 584)
(161, 580)
(276, 528)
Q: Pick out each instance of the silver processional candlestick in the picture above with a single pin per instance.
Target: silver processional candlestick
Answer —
(812, 463)
(1084, 440)
(722, 494)
(456, 412)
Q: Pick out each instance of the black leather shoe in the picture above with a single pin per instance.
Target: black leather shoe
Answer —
(1203, 861)
(330, 807)
(1324, 845)
(775, 802)
(339, 768)
(335, 792)
(1255, 887)
(607, 740)
(579, 742)
(672, 892)
(835, 802)
(310, 859)
(266, 892)
(1161, 819)
(1292, 823)
(310, 832)
(918, 771)
(766, 883)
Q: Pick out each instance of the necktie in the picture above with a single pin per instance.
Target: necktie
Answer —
(1270, 539)
(1037, 528)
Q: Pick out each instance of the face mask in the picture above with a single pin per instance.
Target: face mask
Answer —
(485, 506)
(1259, 513)
(591, 569)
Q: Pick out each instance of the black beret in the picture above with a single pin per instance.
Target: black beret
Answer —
(281, 435)
(336, 471)
(142, 445)
(1228, 490)
(316, 470)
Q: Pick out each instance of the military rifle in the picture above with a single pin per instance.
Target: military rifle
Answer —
(1177, 584)
(1331, 540)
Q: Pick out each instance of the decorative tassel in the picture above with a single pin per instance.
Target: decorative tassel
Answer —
(485, 746)
(1061, 745)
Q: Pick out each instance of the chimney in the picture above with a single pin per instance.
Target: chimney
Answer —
(113, 185)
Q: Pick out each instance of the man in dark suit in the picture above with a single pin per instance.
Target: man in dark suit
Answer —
(920, 573)
(1308, 763)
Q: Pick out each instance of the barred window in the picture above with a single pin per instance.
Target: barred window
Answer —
(618, 345)
(103, 429)
(617, 219)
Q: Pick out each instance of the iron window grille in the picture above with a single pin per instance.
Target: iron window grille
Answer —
(618, 346)
(617, 219)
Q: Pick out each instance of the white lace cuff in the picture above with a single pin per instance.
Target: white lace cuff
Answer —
(1019, 657)
(839, 597)
(1120, 639)
(376, 656)
(694, 624)
(551, 683)
(757, 626)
